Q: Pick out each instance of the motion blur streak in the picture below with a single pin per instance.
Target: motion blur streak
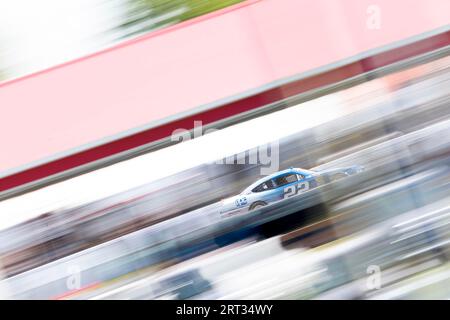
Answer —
(382, 233)
(35, 35)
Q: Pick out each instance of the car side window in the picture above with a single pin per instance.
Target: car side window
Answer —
(267, 185)
(285, 179)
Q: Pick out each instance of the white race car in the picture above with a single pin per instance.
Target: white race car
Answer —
(282, 185)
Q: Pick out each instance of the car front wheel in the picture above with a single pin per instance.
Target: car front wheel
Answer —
(257, 205)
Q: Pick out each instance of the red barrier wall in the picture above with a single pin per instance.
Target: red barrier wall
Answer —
(82, 111)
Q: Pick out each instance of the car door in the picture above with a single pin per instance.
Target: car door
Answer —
(305, 182)
(285, 184)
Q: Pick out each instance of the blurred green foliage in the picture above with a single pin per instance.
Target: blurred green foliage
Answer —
(2, 74)
(146, 15)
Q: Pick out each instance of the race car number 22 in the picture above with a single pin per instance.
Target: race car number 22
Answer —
(295, 189)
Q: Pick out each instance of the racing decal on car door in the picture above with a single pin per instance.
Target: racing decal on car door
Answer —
(295, 189)
(241, 202)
